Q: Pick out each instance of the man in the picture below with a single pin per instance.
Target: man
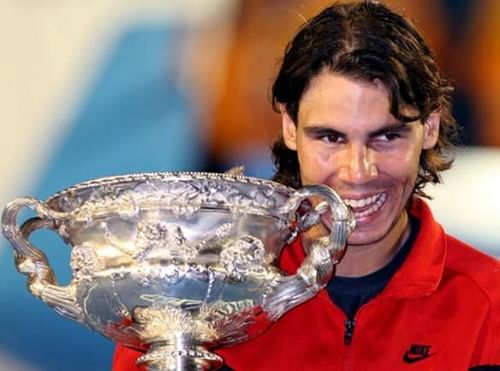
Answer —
(366, 111)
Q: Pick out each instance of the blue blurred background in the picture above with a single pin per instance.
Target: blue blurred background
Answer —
(91, 89)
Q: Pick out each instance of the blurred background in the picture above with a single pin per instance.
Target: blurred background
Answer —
(99, 88)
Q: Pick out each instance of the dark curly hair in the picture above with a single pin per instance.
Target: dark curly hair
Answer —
(367, 41)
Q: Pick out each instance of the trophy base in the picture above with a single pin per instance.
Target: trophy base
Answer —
(179, 355)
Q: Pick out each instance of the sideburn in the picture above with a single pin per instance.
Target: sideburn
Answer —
(286, 163)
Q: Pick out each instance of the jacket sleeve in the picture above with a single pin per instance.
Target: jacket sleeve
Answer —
(486, 356)
(124, 359)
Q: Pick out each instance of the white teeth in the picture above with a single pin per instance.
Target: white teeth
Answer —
(376, 200)
(363, 202)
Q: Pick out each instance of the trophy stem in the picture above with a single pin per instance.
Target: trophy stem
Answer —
(179, 354)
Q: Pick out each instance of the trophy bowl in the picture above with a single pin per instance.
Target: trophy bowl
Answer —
(175, 264)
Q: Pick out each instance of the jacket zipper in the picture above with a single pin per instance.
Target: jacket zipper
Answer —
(350, 325)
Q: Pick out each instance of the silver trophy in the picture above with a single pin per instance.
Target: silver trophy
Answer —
(174, 264)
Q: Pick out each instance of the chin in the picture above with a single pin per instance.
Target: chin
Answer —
(367, 234)
(363, 240)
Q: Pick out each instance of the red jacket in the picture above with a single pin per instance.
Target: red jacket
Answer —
(440, 311)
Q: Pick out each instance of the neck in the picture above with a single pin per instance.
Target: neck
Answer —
(361, 260)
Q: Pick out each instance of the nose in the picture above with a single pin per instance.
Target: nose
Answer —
(357, 164)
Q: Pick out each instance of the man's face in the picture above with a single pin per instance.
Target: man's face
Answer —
(346, 138)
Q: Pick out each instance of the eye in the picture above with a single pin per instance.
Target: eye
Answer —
(388, 137)
(330, 138)
(325, 135)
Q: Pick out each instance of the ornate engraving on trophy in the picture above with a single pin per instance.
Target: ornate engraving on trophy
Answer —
(158, 323)
(243, 257)
(202, 321)
(152, 237)
(84, 262)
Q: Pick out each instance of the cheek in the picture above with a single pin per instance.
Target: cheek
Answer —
(315, 165)
(403, 166)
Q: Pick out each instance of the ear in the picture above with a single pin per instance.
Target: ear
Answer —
(289, 130)
(431, 130)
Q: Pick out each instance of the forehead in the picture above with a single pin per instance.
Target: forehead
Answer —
(331, 96)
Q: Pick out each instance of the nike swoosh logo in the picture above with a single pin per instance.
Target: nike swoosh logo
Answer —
(409, 358)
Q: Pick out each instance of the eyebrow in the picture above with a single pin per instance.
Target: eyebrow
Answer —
(398, 127)
(322, 130)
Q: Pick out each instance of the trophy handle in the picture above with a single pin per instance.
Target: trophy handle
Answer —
(32, 262)
(326, 251)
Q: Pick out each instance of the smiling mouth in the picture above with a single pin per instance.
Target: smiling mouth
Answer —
(366, 206)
